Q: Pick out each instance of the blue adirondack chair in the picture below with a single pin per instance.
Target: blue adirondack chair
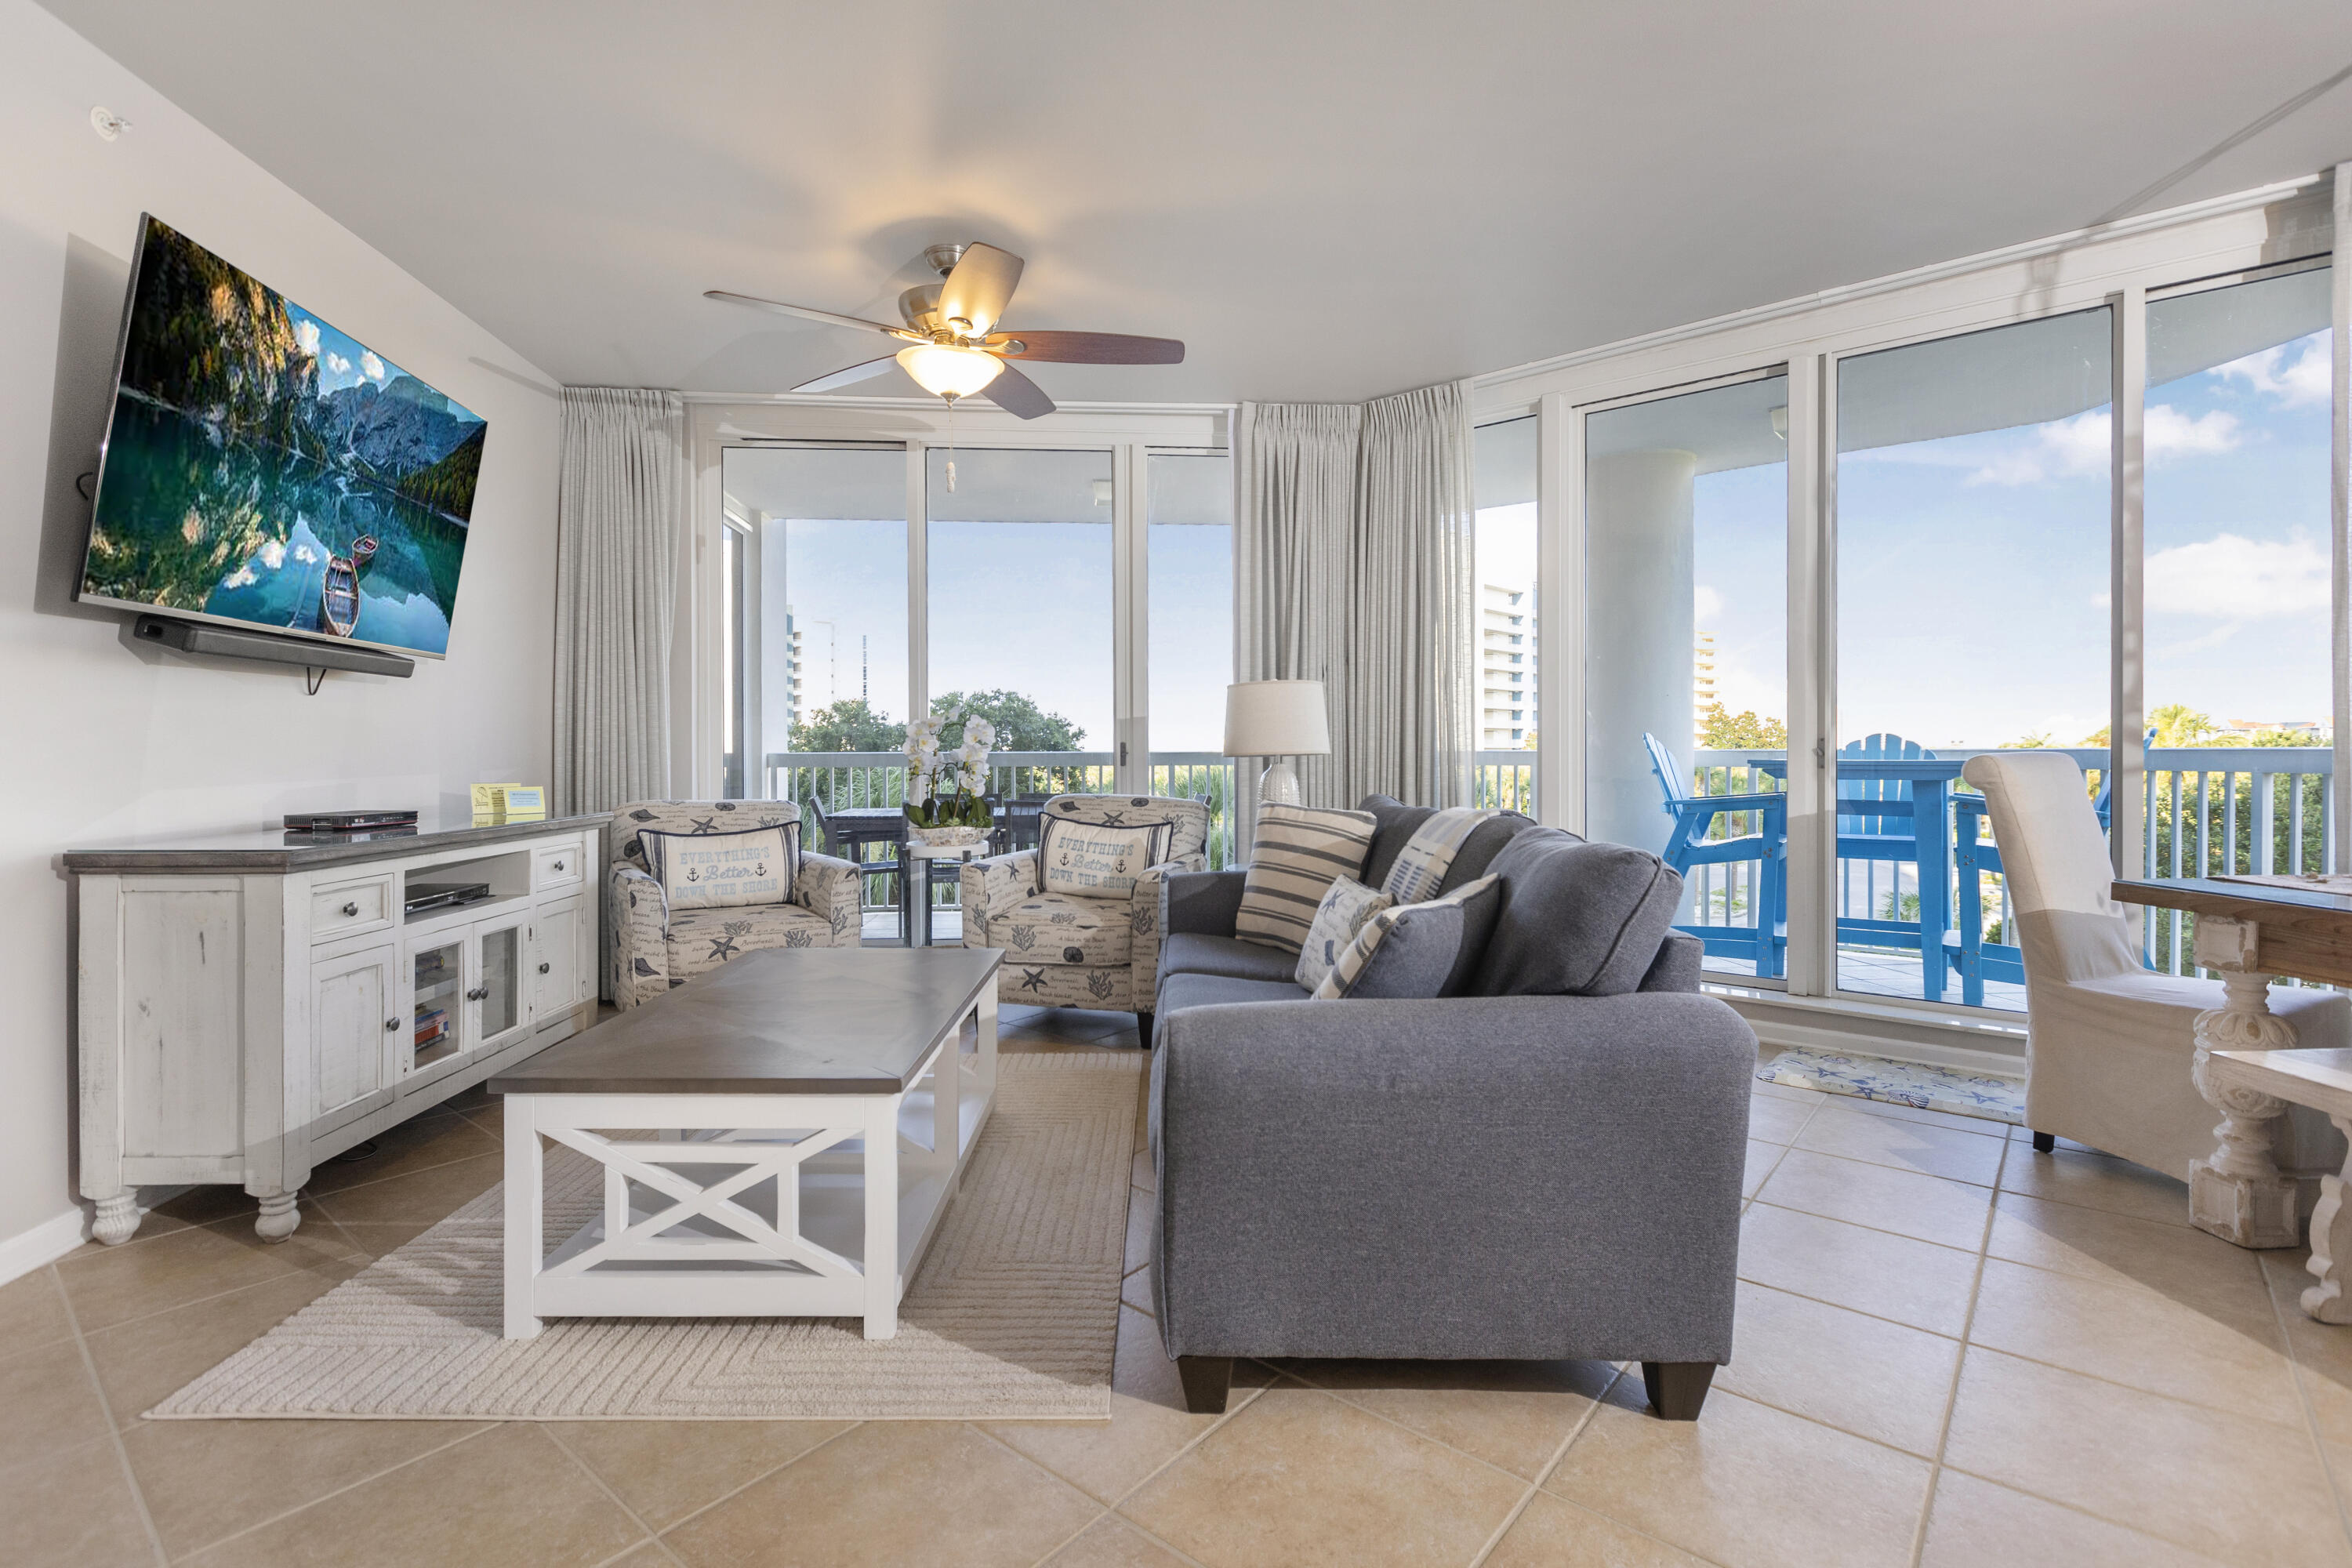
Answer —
(1974, 959)
(1687, 845)
(1874, 823)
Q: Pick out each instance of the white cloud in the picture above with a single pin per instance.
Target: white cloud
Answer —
(273, 553)
(2294, 382)
(1707, 604)
(2230, 578)
(338, 364)
(2081, 447)
(243, 577)
(306, 332)
(371, 366)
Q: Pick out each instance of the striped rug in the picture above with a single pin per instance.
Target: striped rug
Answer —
(1014, 1315)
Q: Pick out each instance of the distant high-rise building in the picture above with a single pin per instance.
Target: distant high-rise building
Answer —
(795, 668)
(1506, 668)
(1703, 693)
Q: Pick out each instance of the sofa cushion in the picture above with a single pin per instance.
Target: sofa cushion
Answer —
(1409, 950)
(1345, 908)
(699, 941)
(1477, 853)
(1300, 850)
(1393, 823)
(1578, 919)
(1095, 860)
(1191, 953)
(724, 870)
(1181, 991)
(1057, 928)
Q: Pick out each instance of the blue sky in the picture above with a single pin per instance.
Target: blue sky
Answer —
(345, 360)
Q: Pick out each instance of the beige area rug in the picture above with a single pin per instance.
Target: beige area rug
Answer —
(1013, 1316)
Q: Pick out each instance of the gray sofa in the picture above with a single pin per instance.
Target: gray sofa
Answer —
(1487, 1176)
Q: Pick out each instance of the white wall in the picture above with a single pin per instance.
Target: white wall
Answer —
(104, 740)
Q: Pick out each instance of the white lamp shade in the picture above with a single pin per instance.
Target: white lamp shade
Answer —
(1277, 719)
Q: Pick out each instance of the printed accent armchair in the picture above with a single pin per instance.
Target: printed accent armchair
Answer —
(650, 949)
(1065, 952)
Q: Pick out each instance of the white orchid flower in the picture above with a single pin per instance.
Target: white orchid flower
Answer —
(978, 732)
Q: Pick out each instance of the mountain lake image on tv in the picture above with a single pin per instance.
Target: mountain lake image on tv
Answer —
(263, 467)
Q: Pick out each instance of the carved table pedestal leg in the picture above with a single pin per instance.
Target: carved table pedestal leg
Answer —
(2331, 1243)
(2238, 1194)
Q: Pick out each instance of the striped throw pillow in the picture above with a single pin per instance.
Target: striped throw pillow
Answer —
(1300, 851)
(1422, 864)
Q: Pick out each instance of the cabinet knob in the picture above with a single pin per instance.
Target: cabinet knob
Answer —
(477, 993)
(559, 865)
(542, 969)
(350, 910)
(391, 1025)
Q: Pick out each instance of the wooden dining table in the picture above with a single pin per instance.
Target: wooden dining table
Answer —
(2248, 1065)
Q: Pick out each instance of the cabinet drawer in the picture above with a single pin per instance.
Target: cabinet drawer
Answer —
(556, 865)
(344, 909)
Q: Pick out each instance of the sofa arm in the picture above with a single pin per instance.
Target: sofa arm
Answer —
(828, 886)
(1514, 1177)
(989, 887)
(1143, 924)
(1205, 903)
(1678, 965)
(639, 958)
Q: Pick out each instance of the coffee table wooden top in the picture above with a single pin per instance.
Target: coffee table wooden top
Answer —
(783, 1021)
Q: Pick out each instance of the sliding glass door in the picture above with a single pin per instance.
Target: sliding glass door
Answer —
(1505, 635)
(1188, 575)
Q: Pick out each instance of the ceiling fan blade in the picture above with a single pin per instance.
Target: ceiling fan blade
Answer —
(979, 289)
(1087, 347)
(854, 373)
(804, 312)
(1018, 396)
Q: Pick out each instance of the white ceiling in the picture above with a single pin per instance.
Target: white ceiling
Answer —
(1324, 202)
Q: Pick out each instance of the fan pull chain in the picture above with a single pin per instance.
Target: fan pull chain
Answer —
(952, 403)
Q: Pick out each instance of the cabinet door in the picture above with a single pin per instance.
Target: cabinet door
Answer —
(354, 1024)
(555, 959)
(497, 1002)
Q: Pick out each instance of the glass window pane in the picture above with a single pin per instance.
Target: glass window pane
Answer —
(1190, 572)
(1972, 590)
(821, 619)
(1504, 656)
(1020, 556)
(1686, 555)
(2236, 585)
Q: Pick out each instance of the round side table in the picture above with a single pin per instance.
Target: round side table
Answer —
(915, 930)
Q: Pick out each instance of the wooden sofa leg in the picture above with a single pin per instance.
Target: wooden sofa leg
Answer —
(1677, 1388)
(1143, 1029)
(2045, 1143)
(1206, 1379)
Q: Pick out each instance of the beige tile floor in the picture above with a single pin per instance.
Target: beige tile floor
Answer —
(1951, 1351)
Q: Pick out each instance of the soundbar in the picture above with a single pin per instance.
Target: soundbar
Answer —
(227, 642)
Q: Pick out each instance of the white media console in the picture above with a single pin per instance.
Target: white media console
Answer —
(250, 1005)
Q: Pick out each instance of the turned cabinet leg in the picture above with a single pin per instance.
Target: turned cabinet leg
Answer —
(2238, 1194)
(2331, 1243)
(279, 1216)
(2045, 1143)
(1677, 1388)
(1206, 1379)
(117, 1220)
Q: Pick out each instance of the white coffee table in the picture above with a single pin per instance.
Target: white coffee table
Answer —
(810, 1111)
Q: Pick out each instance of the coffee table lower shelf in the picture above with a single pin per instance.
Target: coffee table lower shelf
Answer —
(745, 1205)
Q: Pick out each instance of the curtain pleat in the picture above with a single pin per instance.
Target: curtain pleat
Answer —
(616, 554)
(1352, 567)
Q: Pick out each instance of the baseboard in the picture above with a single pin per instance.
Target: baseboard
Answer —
(1968, 1049)
(43, 1244)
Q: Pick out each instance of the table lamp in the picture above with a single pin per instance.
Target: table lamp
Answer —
(1276, 720)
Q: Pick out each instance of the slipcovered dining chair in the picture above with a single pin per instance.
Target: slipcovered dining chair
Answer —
(2110, 1043)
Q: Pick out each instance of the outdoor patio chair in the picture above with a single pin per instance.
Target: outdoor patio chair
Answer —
(1766, 941)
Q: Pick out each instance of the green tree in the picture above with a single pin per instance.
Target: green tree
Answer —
(1020, 724)
(1723, 731)
(849, 725)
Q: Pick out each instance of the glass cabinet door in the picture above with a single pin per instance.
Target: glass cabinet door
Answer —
(498, 991)
(435, 981)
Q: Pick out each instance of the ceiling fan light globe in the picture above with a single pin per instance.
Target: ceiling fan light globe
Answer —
(951, 372)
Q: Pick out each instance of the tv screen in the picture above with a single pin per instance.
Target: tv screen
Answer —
(262, 468)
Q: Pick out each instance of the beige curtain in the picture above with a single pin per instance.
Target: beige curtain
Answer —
(615, 569)
(1352, 567)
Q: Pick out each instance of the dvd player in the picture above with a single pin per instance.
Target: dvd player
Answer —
(348, 821)
(424, 896)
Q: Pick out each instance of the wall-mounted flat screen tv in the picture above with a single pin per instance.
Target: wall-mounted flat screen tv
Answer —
(266, 470)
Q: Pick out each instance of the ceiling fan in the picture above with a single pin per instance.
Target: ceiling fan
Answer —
(956, 349)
